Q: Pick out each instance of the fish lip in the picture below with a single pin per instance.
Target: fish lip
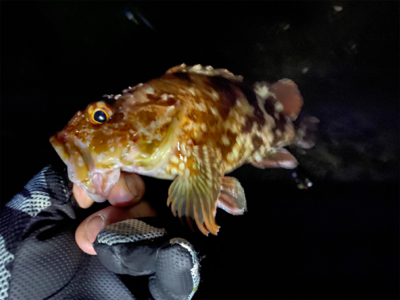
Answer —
(102, 181)
(99, 182)
(62, 137)
(59, 147)
(96, 198)
(92, 194)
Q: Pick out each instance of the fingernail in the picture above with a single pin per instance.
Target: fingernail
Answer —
(134, 186)
(93, 227)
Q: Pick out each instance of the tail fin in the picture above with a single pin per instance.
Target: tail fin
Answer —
(306, 132)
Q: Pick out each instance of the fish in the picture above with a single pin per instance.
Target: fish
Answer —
(192, 125)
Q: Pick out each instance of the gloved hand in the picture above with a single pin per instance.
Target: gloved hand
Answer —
(42, 236)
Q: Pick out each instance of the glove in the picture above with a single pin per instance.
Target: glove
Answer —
(39, 258)
(136, 248)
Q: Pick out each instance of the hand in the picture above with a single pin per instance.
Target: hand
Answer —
(125, 198)
(157, 257)
(128, 240)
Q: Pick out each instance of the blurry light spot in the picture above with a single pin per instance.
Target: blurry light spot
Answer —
(129, 15)
(305, 70)
(338, 8)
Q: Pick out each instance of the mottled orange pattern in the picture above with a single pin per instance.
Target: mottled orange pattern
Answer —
(194, 124)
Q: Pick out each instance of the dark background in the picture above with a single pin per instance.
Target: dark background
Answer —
(339, 239)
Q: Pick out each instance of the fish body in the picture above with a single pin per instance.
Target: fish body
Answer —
(192, 125)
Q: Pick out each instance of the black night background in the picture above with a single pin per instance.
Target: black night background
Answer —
(339, 239)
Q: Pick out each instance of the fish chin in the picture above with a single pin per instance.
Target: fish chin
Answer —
(96, 182)
(100, 183)
(85, 185)
(96, 198)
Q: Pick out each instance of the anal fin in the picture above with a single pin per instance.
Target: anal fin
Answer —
(281, 158)
(232, 198)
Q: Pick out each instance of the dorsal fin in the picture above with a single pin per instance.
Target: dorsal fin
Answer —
(205, 70)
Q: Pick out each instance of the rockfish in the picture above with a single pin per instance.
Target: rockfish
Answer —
(192, 125)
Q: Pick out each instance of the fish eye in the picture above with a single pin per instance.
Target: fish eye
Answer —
(100, 116)
(99, 113)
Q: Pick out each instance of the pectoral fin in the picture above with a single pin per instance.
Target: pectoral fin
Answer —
(288, 94)
(281, 158)
(232, 198)
(194, 193)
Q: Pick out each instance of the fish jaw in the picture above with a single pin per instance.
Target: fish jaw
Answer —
(96, 171)
(96, 182)
(102, 182)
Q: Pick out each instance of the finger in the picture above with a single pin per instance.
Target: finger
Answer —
(81, 197)
(128, 190)
(88, 230)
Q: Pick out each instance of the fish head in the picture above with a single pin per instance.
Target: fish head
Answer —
(93, 144)
(105, 139)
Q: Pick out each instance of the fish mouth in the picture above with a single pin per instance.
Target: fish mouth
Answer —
(97, 183)
(101, 182)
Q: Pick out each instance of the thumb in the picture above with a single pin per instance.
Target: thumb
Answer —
(88, 230)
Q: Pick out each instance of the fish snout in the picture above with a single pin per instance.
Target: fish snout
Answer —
(62, 136)
(58, 141)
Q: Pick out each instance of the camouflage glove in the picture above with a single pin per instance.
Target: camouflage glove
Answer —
(39, 258)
